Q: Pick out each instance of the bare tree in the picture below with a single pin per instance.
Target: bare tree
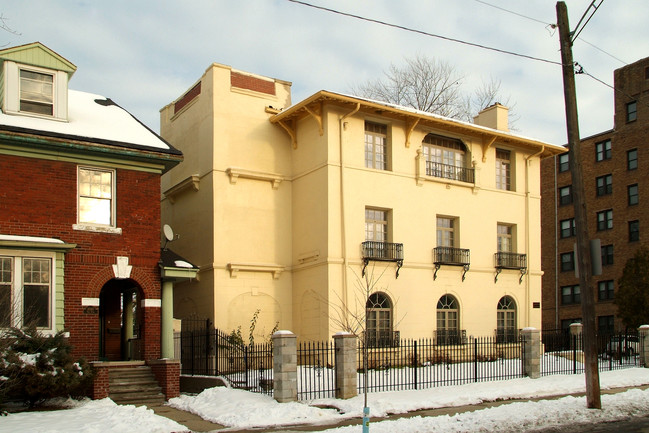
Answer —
(4, 26)
(431, 85)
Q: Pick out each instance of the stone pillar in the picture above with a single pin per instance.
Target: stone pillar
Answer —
(167, 321)
(345, 359)
(575, 331)
(285, 366)
(643, 337)
(532, 352)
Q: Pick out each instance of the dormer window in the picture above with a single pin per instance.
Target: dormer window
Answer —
(36, 92)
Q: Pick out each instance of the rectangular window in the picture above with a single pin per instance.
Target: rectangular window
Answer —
(632, 193)
(605, 220)
(376, 146)
(604, 185)
(36, 92)
(605, 325)
(603, 150)
(96, 196)
(634, 231)
(445, 232)
(505, 244)
(503, 169)
(567, 262)
(607, 255)
(568, 228)
(564, 162)
(632, 159)
(631, 111)
(565, 195)
(570, 295)
(605, 290)
(26, 291)
(376, 225)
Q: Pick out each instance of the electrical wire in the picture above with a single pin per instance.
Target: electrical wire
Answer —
(421, 32)
(577, 31)
(579, 70)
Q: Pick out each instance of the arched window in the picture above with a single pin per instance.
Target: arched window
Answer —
(506, 331)
(378, 320)
(448, 321)
(446, 158)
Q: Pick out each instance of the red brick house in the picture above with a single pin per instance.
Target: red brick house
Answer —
(79, 212)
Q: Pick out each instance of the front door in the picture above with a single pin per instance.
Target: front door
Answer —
(118, 319)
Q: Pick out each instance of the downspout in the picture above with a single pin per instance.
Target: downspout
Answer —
(343, 232)
(528, 161)
(556, 249)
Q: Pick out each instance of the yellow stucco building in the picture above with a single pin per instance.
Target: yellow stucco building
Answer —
(285, 208)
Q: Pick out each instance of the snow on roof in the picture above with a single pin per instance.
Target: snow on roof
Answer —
(92, 117)
(29, 239)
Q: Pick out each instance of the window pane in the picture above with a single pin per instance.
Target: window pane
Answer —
(95, 196)
(36, 292)
(94, 211)
(5, 291)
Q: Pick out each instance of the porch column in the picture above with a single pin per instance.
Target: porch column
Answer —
(167, 319)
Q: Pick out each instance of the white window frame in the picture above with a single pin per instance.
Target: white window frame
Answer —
(11, 100)
(17, 260)
(97, 227)
(504, 170)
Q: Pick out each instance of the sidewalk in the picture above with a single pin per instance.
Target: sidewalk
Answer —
(197, 424)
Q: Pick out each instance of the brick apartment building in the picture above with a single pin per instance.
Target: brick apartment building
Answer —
(615, 168)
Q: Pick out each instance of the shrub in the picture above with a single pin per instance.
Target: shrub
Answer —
(35, 367)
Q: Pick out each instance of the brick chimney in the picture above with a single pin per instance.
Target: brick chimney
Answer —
(495, 117)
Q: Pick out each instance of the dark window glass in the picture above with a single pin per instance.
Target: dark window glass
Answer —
(604, 184)
(570, 295)
(564, 162)
(632, 191)
(605, 220)
(603, 150)
(605, 290)
(568, 228)
(632, 159)
(607, 255)
(565, 195)
(567, 262)
(634, 231)
(631, 111)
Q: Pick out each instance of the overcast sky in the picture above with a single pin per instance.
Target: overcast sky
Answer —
(144, 54)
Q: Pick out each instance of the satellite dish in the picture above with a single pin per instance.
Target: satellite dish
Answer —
(168, 232)
(169, 235)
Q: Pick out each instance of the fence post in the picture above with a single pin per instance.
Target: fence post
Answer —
(345, 361)
(575, 333)
(531, 352)
(643, 336)
(284, 366)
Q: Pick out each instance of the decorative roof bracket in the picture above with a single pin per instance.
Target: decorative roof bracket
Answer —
(487, 142)
(291, 130)
(317, 115)
(409, 128)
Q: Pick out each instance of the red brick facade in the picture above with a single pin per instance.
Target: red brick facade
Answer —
(249, 82)
(39, 198)
(632, 84)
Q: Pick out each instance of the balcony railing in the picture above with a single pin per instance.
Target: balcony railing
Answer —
(445, 337)
(453, 257)
(382, 252)
(504, 260)
(453, 172)
(383, 338)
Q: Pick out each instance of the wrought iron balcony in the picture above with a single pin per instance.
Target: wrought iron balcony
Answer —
(382, 252)
(453, 172)
(383, 339)
(510, 261)
(444, 337)
(453, 257)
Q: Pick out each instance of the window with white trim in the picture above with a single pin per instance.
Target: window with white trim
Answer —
(36, 92)
(96, 197)
(26, 290)
(376, 146)
(503, 170)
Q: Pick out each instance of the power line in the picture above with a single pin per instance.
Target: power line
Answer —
(408, 29)
(552, 26)
(575, 33)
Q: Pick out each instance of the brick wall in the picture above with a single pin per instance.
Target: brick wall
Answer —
(38, 198)
(167, 373)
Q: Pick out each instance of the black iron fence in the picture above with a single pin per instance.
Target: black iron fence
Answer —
(417, 364)
(316, 370)
(207, 351)
(563, 352)
(382, 251)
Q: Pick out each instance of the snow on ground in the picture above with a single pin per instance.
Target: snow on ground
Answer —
(241, 409)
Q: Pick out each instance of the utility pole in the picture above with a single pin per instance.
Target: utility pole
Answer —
(593, 398)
